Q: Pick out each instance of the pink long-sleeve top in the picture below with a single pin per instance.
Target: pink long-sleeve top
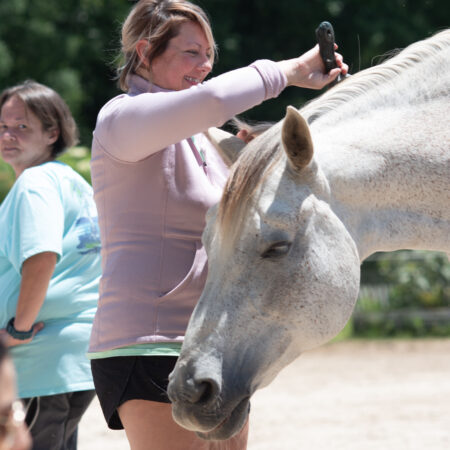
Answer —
(155, 174)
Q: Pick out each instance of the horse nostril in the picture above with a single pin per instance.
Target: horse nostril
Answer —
(201, 391)
(195, 384)
(210, 391)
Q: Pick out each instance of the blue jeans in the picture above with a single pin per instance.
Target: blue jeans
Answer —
(53, 419)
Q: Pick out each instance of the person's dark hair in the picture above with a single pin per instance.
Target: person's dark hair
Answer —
(157, 21)
(48, 106)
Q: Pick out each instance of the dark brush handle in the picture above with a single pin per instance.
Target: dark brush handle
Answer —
(325, 39)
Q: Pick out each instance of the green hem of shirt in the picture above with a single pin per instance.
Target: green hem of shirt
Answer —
(160, 349)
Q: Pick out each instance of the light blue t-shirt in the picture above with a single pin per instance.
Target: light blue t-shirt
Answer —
(50, 208)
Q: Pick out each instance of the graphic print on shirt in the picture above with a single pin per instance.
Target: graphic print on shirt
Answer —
(87, 228)
(88, 235)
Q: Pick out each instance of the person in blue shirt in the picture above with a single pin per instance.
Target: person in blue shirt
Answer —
(49, 264)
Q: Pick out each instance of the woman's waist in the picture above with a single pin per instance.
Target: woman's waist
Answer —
(57, 336)
(132, 321)
(57, 314)
(134, 231)
(143, 286)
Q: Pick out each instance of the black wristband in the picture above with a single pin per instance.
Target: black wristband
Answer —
(21, 335)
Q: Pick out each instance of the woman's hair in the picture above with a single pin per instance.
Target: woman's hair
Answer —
(157, 21)
(48, 106)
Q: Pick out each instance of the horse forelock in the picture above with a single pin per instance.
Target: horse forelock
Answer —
(264, 152)
(246, 176)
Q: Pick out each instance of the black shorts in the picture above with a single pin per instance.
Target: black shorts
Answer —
(124, 378)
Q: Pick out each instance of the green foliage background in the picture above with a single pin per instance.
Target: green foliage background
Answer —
(72, 46)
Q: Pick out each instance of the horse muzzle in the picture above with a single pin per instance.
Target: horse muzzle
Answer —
(198, 403)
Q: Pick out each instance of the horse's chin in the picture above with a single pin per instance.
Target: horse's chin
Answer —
(231, 425)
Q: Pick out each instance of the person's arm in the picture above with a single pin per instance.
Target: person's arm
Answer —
(36, 274)
(35, 242)
(132, 128)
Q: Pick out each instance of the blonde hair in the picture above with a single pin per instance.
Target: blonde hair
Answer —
(157, 21)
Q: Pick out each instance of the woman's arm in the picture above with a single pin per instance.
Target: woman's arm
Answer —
(36, 274)
(132, 128)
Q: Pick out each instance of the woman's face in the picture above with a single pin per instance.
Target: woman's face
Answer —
(186, 60)
(23, 141)
(13, 432)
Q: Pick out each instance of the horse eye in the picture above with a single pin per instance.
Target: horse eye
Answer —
(276, 250)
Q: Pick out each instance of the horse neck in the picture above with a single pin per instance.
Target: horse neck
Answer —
(390, 181)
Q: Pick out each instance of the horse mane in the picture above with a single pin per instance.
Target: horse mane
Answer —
(253, 129)
(366, 90)
(385, 81)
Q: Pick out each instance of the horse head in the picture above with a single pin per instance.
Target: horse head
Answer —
(275, 227)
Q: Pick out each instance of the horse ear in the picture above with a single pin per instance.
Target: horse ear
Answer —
(296, 139)
(228, 145)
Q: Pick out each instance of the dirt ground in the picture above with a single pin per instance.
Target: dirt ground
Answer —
(355, 395)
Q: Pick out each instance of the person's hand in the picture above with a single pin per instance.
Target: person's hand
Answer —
(308, 70)
(11, 342)
(245, 136)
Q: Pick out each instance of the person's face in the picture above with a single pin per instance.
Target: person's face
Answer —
(23, 141)
(186, 60)
(13, 433)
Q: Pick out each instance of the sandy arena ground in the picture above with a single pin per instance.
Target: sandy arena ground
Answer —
(356, 395)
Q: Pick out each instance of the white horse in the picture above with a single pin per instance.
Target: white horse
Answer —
(364, 168)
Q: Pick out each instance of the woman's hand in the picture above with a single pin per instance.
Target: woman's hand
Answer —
(37, 271)
(308, 70)
(11, 342)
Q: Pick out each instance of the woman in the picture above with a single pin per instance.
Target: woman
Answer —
(49, 264)
(13, 432)
(154, 176)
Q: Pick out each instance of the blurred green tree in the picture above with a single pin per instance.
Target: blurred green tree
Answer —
(68, 45)
(71, 45)
(420, 279)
